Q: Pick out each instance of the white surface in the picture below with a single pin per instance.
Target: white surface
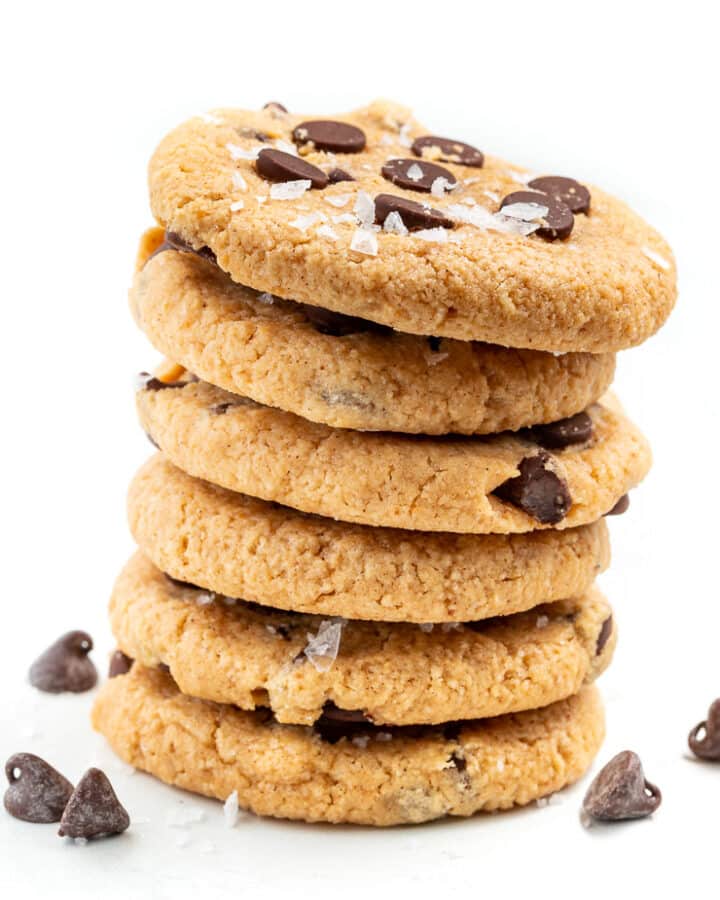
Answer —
(621, 94)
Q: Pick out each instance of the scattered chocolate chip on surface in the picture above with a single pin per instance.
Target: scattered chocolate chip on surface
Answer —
(537, 490)
(604, 635)
(94, 809)
(416, 175)
(276, 165)
(335, 176)
(566, 190)
(704, 739)
(622, 506)
(414, 215)
(331, 136)
(557, 222)
(176, 242)
(120, 664)
(620, 791)
(431, 146)
(274, 105)
(65, 665)
(37, 792)
(577, 429)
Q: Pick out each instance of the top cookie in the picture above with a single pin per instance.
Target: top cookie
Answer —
(416, 239)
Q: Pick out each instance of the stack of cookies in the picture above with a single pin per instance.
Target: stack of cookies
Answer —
(368, 542)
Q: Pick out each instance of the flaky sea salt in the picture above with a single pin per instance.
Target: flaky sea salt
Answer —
(441, 185)
(427, 627)
(415, 172)
(238, 152)
(387, 141)
(182, 816)
(394, 224)
(290, 190)
(231, 810)
(434, 235)
(326, 231)
(322, 648)
(305, 222)
(383, 736)
(520, 218)
(338, 200)
(491, 195)
(210, 118)
(261, 198)
(475, 215)
(204, 598)
(500, 765)
(286, 147)
(542, 622)
(364, 209)
(656, 258)
(361, 741)
(239, 182)
(265, 298)
(344, 217)
(237, 206)
(451, 626)
(364, 241)
(404, 136)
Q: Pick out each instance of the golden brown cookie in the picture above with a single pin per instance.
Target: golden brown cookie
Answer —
(347, 372)
(391, 673)
(451, 265)
(476, 485)
(371, 777)
(239, 546)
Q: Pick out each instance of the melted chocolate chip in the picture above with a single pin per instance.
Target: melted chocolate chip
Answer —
(604, 635)
(274, 105)
(577, 429)
(704, 739)
(335, 137)
(458, 762)
(558, 220)
(414, 215)
(275, 165)
(37, 792)
(620, 791)
(337, 175)
(65, 665)
(149, 382)
(335, 724)
(356, 716)
(537, 490)
(339, 325)
(173, 239)
(120, 664)
(220, 409)
(566, 190)
(620, 507)
(416, 175)
(434, 344)
(94, 809)
(448, 150)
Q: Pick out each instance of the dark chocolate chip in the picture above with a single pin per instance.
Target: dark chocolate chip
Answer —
(414, 215)
(537, 490)
(337, 175)
(120, 664)
(416, 175)
(335, 137)
(620, 507)
(37, 792)
(620, 791)
(336, 714)
(458, 762)
(149, 382)
(65, 665)
(604, 635)
(558, 221)
(338, 324)
(704, 739)
(451, 730)
(577, 429)
(173, 239)
(434, 344)
(94, 809)
(220, 409)
(448, 150)
(568, 191)
(274, 105)
(276, 165)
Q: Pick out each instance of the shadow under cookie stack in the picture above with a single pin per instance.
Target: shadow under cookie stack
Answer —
(364, 590)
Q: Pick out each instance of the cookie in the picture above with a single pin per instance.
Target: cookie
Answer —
(350, 373)
(238, 546)
(371, 777)
(252, 656)
(457, 256)
(498, 484)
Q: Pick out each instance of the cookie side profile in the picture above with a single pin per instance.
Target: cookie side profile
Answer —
(289, 771)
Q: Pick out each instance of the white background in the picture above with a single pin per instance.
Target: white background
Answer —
(620, 94)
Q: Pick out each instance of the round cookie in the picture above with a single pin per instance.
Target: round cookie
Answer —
(300, 359)
(430, 484)
(391, 673)
(239, 546)
(375, 777)
(609, 286)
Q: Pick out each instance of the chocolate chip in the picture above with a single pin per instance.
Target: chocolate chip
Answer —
(173, 239)
(620, 507)
(338, 324)
(577, 429)
(537, 490)
(458, 762)
(94, 809)
(414, 215)
(620, 791)
(335, 724)
(337, 175)
(220, 409)
(416, 175)
(37, 792)
(149, 382)
(448, 150)
(120, 664)
(357, 716)
(704, 739)
(276, 165)
(604, 635)
(568, 191)
(274, 105)
(558, 221)
(335, 137)
(434, 344)
(65, 665)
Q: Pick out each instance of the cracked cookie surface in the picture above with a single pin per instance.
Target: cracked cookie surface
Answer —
(288, 771)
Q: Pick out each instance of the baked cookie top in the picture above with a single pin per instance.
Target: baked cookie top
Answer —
(299, 666)
(348, 372)
(429, 236)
